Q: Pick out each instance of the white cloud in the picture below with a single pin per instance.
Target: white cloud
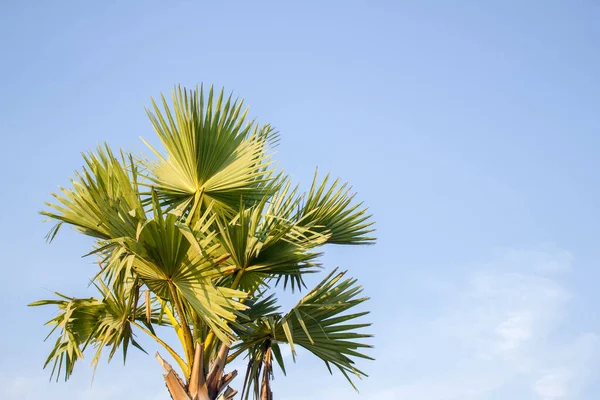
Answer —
(553, 384)
(503, 332)
(514, 330)
(569, 369)
(545, 258)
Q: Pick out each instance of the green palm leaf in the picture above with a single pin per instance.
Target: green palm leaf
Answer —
(330, 210)
(104, 202)
(211, 149)
(163, 255)
(265, 242)
(319, 323)
(93, 322)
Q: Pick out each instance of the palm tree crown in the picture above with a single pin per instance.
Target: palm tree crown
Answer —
(194, 240)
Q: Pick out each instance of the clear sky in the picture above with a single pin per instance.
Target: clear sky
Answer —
(470, 128)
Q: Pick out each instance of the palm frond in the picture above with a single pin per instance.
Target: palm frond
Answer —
(211, 149)
(163, 254)
(266, 243)
(320, 325)
(330, 210)
(104, 202)
(96, 322)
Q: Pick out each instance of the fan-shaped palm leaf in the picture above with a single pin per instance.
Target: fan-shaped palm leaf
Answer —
(319, 323)
(266, 242)
(165, 259)
(331, 211)
(104, 202)
(93, 322)
(211, 149)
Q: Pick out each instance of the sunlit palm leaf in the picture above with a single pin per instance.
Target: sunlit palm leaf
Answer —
(265, 242)
(92, 322)
(104, 202)
(211, 149)
(163, 254)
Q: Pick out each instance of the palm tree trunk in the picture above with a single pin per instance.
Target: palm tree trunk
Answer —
(198, 387)
(265, 389)
(177, 389)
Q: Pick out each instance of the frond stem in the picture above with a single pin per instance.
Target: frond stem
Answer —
(185, 326)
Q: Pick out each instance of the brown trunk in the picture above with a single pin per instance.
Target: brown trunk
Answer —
(174, 383)
(265, 389)
(199, 387)
(214, 376)
(227, 394)
(198, 390)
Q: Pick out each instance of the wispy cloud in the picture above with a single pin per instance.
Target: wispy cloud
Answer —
(503, 333)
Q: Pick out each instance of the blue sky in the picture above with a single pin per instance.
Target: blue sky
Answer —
(470, 128)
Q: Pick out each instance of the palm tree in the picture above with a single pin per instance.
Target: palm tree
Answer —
(195, 241)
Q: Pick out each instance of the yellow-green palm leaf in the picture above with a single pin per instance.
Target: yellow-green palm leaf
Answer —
(210, 149)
